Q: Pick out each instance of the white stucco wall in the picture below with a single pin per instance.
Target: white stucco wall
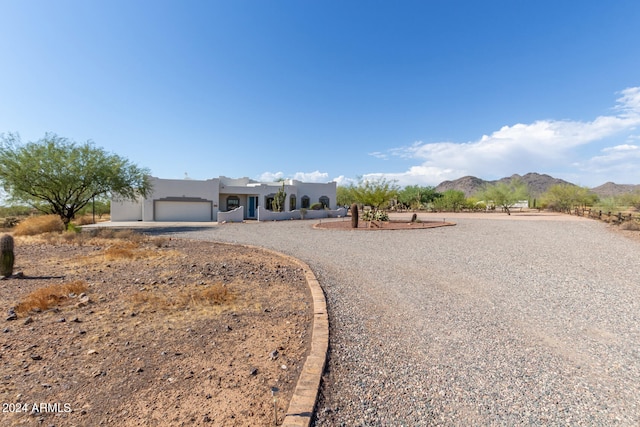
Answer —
(184, 198)
(126, 210)
(176, 189)
(236, 215)
(267, 215)
(314, 191)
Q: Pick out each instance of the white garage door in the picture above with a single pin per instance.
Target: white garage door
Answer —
(182, 211)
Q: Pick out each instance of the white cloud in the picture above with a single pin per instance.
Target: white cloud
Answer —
(344, 181)
(520, 148)
(315, 176)
(613, 157)
(379, 155)
(270, 176)
(622, 148)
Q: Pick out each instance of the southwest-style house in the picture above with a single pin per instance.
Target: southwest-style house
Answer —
(226, 199)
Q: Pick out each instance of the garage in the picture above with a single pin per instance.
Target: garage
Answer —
(182, 209)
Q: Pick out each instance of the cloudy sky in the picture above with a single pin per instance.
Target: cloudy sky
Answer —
(415, 91)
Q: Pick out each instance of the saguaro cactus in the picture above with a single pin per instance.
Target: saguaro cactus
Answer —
(354, 215)
(6, 255)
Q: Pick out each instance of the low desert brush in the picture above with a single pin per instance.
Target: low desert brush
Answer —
(632, 225)
(39, 225)
(215, 295)
(84, 220)
(50, 296)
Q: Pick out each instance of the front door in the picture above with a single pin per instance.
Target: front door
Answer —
(253, 205)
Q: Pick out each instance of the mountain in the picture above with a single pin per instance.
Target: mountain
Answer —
(611, 189)
(468, 184)
(537, 183)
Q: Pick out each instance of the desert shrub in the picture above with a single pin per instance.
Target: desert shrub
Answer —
(371, 215)
(101, 233)
(17, 211)
(129, 235)
(632, 225)
(10, 222)
(70, 236)
(50, 296)
(381, 216)
(159, 242)
(39, 225)
(214, 295)
(317, 207)
(122, 250)
(84, 220)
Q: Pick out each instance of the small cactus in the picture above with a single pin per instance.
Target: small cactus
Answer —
(354, 215)
(6, 255)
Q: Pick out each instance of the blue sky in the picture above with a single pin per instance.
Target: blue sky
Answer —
(415, 91)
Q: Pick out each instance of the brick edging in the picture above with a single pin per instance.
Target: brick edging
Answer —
(303, 401)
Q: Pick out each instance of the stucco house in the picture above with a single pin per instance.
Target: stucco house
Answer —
(223, 199)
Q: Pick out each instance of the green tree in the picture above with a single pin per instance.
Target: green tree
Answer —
(451, 200)
(415, 196)
(563, 197)
(344, 195)
(630, 200)
(58, 176)
(376, 193)
(99, 206)
(505, 194)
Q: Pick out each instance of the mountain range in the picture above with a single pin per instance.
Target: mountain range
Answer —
(537, 183)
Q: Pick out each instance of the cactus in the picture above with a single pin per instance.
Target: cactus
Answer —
(6, 255)
(277, 204)
(354, 215)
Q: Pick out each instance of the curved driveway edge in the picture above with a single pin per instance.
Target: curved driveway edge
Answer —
(303, 401)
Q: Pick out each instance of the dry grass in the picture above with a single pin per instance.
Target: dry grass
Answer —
(632, 225)
(39, 225)
(215, 295)
(50, 296)
(84, 220)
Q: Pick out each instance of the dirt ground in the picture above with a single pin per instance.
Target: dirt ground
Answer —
(167, 332)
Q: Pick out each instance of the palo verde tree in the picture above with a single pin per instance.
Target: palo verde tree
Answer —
(563, 197)
(376, 193)
(451, 200)
(415, 196)
(505, 194)
(58, 176)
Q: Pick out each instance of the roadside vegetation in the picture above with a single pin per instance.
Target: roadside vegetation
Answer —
(55, 175)
(378, 196)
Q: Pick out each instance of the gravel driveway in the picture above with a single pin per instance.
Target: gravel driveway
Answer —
(490, 322)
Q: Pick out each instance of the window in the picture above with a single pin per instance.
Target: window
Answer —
(292, 202)
(233, 202)
(324, 201)
(306, 202)
(268, 202)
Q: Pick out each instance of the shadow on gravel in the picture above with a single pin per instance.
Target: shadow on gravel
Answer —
(172, 229)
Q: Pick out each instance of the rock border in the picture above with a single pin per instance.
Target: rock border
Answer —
(303, 402)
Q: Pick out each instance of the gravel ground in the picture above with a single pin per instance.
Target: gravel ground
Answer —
(490, 322)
